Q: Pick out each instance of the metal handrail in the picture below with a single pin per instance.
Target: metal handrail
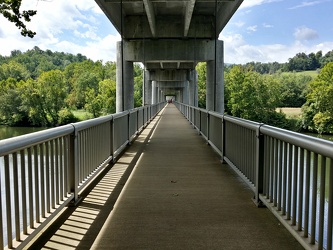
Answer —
(42, 172)
(279, 166)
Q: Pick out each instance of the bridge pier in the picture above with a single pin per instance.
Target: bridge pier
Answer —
(170, 70)
(124, 81)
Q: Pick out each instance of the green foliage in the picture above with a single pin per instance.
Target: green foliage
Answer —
(201, 70)
(138, 80)
(10, 9)
(253, 96)
(11, 112)
(13, 70)
(44, 98)
(318, 109)
(42, 88)
(300, 62)
(66, 117)
(293, 88)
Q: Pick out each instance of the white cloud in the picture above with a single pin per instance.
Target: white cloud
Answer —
(304, 34)
(251, 3)
(239, 23)
(265, 25)
(62, 25)
(307, 4)
(238, 51)
(252, 28)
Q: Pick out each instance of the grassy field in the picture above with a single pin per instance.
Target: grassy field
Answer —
(294, 113)
(82, 114)
(312, 73)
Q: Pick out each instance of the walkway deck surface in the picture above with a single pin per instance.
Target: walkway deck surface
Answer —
(178, 196)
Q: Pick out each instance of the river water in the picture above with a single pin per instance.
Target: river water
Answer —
(8, 132)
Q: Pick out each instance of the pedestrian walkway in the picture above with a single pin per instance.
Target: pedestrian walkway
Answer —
(178, 196)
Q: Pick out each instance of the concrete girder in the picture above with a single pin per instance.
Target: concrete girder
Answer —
(151, 16)
(165, 50)
(190, 18)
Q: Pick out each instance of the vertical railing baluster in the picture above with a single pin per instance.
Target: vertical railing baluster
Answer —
(36, 180)
(300, 190)
(42, 178)
(24, 193)
(314, 199)
(322, 203)
(66, 164)
(280, 158)
(285, 176)
(48, 177)
(61, 168)
(30, 189)
(52, 158)
(330, 207)
(267, 165)
(8, 202)
(56, 157)
(290, 169)
(271, 171)
(295, 172)
(16, 197)
(307, 193)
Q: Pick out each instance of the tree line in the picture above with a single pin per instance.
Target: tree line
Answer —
(254, 96)
(42, 88)
(300, 62)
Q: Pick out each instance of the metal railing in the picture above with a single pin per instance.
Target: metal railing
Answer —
(43, 172)
(290, 173)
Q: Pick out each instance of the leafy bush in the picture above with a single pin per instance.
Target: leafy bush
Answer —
(66, 117)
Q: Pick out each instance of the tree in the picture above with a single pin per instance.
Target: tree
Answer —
(252, 96)
(10, 9)
(45, 97)
(318, 109)
(11, 112)
(201, 69)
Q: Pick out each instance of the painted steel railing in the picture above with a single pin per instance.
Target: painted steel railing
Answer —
(43, 172)
(290, 173)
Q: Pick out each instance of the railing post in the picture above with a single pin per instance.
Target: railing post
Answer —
(129, 127)
(208, 125)
(73, 166)
(223, 138)
(112, 139)
(259, 166)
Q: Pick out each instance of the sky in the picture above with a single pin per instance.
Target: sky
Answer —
(260, 30)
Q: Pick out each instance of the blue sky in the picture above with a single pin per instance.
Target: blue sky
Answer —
(261, 30)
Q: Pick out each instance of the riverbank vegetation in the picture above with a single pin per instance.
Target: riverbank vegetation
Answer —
(45, 88)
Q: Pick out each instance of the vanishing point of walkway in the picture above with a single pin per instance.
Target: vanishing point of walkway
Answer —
(178, 196)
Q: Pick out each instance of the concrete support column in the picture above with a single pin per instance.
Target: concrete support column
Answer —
(215, 81)
(186, 92)
(193, 88)
(190, 89)
(147, 88)
(195, 83)
(124, 82)
(153, 92)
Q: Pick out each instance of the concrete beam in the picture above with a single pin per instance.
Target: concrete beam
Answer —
(188, 15)
(168, 75)
(226, 11)
(168, 26)
(151, 16)
(169, 50)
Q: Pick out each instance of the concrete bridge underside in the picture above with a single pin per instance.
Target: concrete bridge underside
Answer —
(170, 37)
